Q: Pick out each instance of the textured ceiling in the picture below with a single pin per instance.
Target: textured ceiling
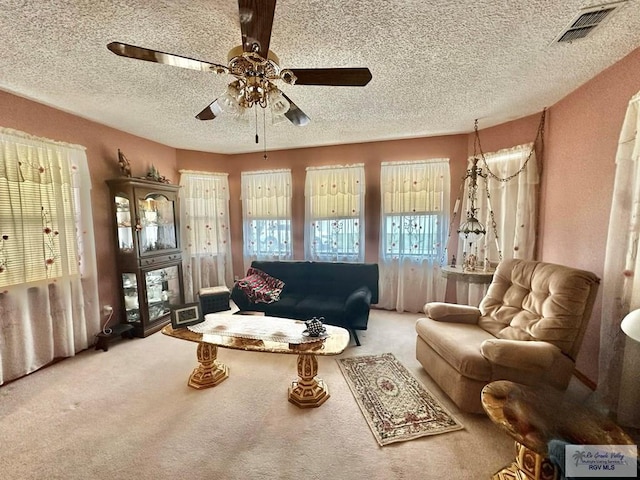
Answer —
(436, 65)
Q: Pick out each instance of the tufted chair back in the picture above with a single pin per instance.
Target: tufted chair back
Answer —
(530, 300)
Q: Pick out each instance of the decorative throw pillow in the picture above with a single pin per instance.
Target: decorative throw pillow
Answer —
(260, 287)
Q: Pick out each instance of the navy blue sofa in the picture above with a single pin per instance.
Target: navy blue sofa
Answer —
(342, 293)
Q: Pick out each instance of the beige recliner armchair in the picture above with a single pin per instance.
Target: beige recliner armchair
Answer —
(528, 329)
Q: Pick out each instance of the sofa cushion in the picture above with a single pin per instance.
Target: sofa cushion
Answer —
(284, 306)
(458, 344)
(260, 287)
(321, 305)
(331, 278)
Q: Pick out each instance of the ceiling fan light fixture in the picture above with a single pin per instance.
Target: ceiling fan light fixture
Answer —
(242, 116)
(228, 103)
(254, 92)
(279, 105)
(277, 119)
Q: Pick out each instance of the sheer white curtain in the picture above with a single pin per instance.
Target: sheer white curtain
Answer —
(204, 224)
(619, 360)
(515, 207)
(334, 213)
(266, 215)
(413, 233)
(48, 280)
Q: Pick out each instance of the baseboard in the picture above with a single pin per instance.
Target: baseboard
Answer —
(585, 380)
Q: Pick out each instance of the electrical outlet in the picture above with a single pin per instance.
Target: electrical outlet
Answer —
(106, 310)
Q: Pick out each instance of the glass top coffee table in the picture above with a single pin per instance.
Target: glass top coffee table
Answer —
(262, 334)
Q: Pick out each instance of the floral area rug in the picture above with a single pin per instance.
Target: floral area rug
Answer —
(397, 407)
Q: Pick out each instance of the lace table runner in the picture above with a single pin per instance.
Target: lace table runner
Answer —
(254, 327)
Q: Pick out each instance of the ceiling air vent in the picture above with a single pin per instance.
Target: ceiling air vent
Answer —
(586, 21)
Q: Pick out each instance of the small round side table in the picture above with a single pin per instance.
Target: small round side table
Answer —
(533, 416)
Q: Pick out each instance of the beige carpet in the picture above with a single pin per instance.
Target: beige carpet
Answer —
(128, 414)
(396, 406)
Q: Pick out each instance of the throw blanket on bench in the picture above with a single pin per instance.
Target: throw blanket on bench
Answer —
(260, 287)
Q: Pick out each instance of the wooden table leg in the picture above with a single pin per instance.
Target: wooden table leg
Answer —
(210, 372)
(307, 391)
(528, 465)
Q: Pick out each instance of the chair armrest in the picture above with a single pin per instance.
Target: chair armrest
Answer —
(523, 354)
(452, 312)
(358, 301)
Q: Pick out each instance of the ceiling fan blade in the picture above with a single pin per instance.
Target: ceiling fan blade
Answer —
(256, 20)
(149, 55)
(345, 77)
(210, 112)
(294, 114)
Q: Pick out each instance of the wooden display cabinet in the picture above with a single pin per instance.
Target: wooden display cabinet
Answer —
(147, 238)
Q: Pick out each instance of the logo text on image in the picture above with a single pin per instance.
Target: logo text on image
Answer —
(601, 461)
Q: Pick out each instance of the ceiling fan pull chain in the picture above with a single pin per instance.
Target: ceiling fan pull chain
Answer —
(257, 139)
(264, 132)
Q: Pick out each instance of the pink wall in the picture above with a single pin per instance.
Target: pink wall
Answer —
(577, 179)
(102, 145)
(581, 137)
(371, 154)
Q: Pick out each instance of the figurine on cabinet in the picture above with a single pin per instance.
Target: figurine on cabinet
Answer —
(124, 165)
(154, 174)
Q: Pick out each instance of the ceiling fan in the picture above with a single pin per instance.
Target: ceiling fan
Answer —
(255, 69)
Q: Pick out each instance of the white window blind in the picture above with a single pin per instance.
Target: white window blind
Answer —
(334, 213)
(266, 215)
(38, 214)
(413, 199)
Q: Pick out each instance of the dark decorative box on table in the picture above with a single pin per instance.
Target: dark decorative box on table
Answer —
(214, 299)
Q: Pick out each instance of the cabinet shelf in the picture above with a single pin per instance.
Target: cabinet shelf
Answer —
(147, 244)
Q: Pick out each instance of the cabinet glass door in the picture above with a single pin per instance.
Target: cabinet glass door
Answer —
(163, 291)
(130, 289)
(123, 222)
(157, 223)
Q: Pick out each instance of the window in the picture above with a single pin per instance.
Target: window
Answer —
(38, 217)
(41, 211)
(206, 239)
(405, 235)
(513, 202)
(268, 238)
(266, 215)
(48, 276)
(413, 215)
(413, 232)
(334, 198)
